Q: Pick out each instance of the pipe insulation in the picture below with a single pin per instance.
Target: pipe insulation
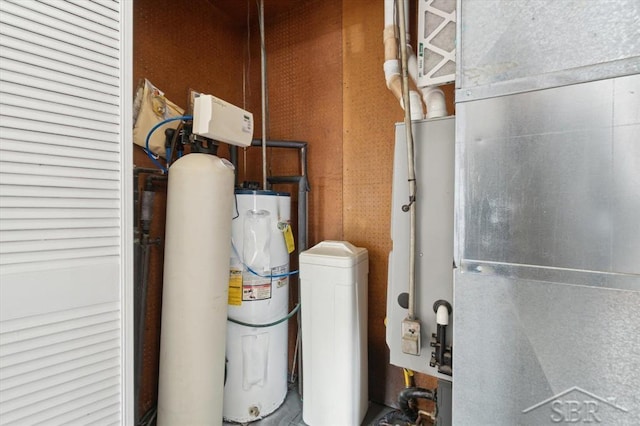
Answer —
(200, 206)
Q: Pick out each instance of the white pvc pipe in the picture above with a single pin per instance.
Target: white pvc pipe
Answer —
(413, 64)
(442, 315)
(432, 96)
(435, 101)
(389, 14)
(392, 65)
(416, 105)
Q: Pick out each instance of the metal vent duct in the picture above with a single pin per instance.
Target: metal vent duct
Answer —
(547, 293)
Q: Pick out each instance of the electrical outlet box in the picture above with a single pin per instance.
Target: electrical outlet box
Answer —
(411, 337)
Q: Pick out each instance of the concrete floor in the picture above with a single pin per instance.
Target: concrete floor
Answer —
(290, 414)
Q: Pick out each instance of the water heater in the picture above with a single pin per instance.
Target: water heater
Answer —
(256, 383)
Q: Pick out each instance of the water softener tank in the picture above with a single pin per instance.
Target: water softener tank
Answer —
(256, 383)
(333, 289)
(194, 303)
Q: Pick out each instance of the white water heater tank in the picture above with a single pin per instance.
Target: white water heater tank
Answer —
(333, 288)
(256, 383)
(194, 300)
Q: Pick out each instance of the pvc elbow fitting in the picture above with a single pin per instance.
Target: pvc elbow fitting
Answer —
(442, 315)
(417, 113)
(434, 100)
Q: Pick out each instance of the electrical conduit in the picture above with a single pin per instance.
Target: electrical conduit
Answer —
(263, 80)
(410, 165)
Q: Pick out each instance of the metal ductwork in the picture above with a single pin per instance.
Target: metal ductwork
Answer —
(547, 289)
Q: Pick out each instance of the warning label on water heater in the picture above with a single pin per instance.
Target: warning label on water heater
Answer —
(235, 287)
(256, 292)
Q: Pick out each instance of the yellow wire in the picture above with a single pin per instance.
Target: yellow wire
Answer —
(408, 377)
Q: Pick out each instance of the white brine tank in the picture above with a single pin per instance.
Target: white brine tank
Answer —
(256, 381)
(333, 289)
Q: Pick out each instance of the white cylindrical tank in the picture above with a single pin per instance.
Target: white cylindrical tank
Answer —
(256, 383)
(194, 301)
(333, 289)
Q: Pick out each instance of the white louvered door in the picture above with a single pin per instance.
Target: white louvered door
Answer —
(65, 212)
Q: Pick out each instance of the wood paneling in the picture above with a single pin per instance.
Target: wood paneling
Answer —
(370, 112)
(179, 48)
(305, 98)
(237, 10)
(304, 80)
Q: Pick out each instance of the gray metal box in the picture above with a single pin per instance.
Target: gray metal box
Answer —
(434, 158)
(511, 46)
(547, 293)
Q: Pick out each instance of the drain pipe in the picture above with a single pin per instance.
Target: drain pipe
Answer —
(408, 395)
(143, 213)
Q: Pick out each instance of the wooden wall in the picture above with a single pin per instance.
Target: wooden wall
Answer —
(326, 87)
(370, 112)
(179, 48)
